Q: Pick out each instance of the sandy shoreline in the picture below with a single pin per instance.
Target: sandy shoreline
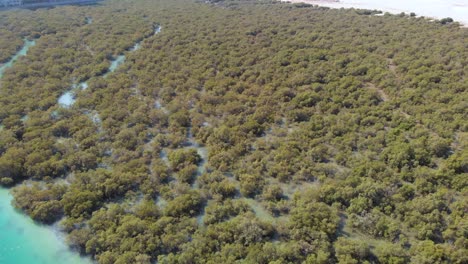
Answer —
(458, 10)
(311, 1)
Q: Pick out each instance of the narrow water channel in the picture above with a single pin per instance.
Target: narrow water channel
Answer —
(202, 152)
(67, 99)
(116, 63)
(21, 52)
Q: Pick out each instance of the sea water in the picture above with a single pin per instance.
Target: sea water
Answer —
(22, 241)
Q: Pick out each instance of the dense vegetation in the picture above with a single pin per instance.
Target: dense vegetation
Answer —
(332, 136)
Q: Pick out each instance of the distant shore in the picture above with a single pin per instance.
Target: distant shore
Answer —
(324, 1)
(49, 4)
(430, 9)
(312, 1)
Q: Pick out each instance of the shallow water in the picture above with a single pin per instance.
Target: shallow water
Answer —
(161, 202)
(259, 210)
(67, 99)
(22, 52)
(83, 85)
(116, 63)
(456, 9)
(201, 218)
(157, 30)
(202, 151)
(96, 119)
(163, 157)
(135, 47)
(24, 242)
(158, 105)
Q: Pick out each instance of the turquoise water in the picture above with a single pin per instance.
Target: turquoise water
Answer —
(24, 242)
(22, 52)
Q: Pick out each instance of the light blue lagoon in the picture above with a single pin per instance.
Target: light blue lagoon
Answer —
(24, 242)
